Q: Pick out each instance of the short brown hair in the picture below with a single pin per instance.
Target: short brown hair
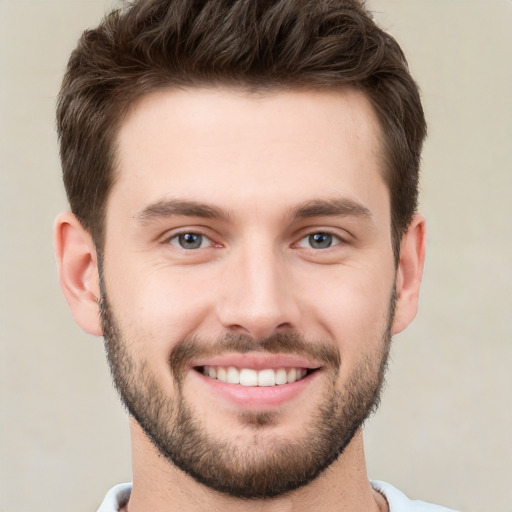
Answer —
(255, 44)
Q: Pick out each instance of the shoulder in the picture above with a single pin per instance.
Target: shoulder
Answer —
(116, 498)
(399, 502)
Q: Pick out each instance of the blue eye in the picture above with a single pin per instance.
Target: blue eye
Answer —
(190, 241)
(319, 240)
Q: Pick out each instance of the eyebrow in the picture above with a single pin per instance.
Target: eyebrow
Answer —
(339, 207)
(178, 207)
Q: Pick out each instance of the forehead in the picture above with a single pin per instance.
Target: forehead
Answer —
(238, 148)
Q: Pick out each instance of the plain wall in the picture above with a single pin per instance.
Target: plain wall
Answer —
(443, 431)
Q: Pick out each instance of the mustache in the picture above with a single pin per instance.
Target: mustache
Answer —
(291, 343)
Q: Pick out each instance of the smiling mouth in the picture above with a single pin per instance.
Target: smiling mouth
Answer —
(249, 377)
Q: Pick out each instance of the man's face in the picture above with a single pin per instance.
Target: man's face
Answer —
(248, 280)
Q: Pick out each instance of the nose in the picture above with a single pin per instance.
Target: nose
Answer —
(256, 296)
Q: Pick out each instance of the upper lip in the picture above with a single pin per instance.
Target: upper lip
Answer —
(257, 361)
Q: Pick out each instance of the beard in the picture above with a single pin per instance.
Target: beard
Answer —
(266, 465)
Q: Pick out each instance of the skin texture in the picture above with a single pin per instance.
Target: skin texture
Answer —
(268, 171)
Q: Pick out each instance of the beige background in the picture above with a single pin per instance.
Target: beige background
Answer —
(443, 433)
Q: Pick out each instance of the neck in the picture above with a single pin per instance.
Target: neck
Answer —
(161, 487)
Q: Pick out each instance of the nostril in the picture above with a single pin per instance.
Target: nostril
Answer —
(238, 329)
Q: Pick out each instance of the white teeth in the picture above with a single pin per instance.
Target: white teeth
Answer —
(281, 377)
(291, 375)
(266, 378)
(233, 375)
(222, 374)
(250, 377)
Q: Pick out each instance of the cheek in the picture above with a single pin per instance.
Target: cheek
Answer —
(353, 310)
(156, 308)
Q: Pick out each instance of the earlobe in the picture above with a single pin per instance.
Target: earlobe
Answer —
(78, 271)
(409, 272)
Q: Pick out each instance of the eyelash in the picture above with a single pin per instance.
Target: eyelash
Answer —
(332, 237)
(177, 236)
(335, 239)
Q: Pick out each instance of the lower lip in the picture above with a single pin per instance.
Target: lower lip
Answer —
(258, 397)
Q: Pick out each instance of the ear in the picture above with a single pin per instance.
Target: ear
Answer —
(410, 270)
(77, 263)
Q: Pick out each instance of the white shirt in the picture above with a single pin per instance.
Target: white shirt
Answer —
(397, 500)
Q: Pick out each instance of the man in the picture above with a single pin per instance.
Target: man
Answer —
(243, 180)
